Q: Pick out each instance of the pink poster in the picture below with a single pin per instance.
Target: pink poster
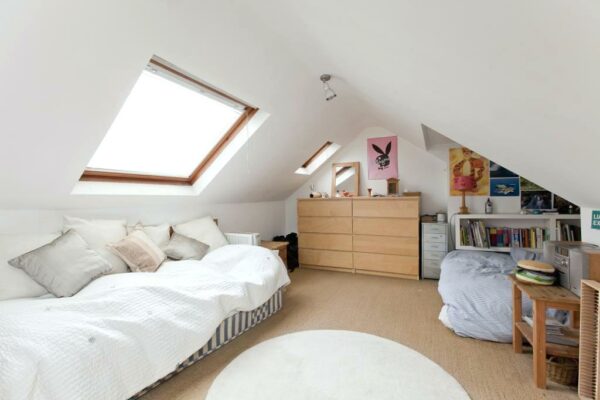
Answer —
(382, 157)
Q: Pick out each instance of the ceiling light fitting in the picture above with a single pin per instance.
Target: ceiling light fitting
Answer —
(329, 93)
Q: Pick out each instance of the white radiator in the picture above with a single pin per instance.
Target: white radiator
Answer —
(243, 238)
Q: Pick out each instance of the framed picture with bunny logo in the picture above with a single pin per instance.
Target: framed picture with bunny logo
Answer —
(382, 157)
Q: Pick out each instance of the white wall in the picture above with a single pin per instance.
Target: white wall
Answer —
(267, 218)
(476, 204)
(417, 171)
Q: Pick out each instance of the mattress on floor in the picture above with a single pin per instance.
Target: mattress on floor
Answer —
(478, 295)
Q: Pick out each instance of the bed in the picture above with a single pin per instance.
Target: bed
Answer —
(477, 295)
(124, 333)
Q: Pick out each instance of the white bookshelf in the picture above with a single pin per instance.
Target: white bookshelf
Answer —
(514, 221)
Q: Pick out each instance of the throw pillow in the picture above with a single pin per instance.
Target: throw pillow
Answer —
(139, 252)
(181, 247)
(99, 233)
(63, 266)
(14, 282)
(160, 234)
(204, 230)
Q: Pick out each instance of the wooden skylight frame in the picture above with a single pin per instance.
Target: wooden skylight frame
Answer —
(317, 154)
(100, 175)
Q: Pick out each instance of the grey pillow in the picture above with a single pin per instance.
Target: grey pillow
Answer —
(63, 266)
(181, 247)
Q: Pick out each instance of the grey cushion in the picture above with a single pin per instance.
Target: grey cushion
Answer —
(63, 266)
(181, 247)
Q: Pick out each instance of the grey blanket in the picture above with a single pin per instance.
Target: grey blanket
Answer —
(475, 287)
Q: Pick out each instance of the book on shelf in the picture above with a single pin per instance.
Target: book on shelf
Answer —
(567, 232)
(474, 233)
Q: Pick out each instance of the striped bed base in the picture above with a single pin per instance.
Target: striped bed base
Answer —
(228, 330)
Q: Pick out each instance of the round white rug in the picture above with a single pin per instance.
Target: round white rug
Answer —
(330, 364)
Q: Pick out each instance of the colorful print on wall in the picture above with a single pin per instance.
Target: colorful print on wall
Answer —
(528, 186)
(534, 197)
(505, 187)
(536, 200)
(564, 206)
(498, 171)
(465, 162)
(382, 157)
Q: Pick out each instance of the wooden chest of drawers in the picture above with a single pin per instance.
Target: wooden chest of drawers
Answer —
(362, 235)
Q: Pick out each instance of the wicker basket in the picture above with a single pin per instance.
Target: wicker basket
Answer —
(562, 370)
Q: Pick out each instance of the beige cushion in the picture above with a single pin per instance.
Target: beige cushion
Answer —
(98, 233)
(203, 230)
(63, 266)
(139, 252)
(181, 247)
(533, 265)
(160, 234)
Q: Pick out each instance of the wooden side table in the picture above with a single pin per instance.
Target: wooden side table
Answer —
(281, 247)
(542, 297)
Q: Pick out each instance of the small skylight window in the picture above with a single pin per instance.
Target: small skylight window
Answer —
(317, 159)
(169, 130)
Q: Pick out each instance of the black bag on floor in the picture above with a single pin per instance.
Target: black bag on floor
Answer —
(292, 250)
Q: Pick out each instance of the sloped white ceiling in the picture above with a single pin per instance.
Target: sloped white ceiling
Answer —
(516, 81)
(67, 67)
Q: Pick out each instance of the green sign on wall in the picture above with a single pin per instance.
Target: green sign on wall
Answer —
(596, 219)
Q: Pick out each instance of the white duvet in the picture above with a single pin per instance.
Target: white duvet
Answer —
(123, 332)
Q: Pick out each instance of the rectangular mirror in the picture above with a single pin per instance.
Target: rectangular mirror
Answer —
(345, 177)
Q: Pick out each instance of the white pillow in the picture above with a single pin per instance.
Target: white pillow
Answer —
(98, 233)
(203, 230)
(159, 234)
(15, 283)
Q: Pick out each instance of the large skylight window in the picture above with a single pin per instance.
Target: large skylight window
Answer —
(169, 129)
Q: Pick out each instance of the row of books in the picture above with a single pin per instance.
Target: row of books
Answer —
(476, 234)
(567, 232)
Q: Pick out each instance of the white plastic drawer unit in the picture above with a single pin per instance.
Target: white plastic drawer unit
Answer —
(435, 227)
(433, 255)
(434, 237)
(434, 247)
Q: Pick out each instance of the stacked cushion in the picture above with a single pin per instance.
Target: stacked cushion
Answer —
(14, 282)
(181, 247)
(63, 266)
(99, 234)
(139, 252)
(33, 265)
(203, 230)
(159, 234)
(535, 272)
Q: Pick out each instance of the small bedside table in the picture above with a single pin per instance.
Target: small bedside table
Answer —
(542, 297)
(281, 247)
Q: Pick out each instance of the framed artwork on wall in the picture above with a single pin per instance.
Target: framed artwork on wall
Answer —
(464, 162)
(505, 187)
(498, 171)
(382, 157)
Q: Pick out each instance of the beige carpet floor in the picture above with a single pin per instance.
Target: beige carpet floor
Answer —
(401, 310)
